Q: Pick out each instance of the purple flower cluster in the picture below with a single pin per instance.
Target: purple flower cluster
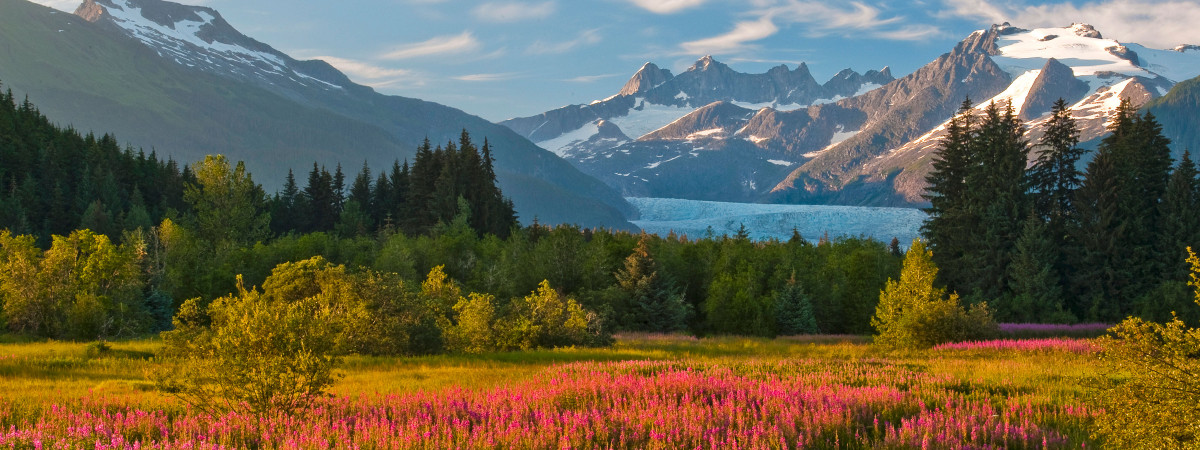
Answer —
(632, 404)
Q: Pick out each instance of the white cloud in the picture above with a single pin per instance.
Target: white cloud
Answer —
(824, 18)
(1161, 24)
(373, 75)
(667, 6)
(440, 45)
(910, 32)
(817, 18)
(733, 41)
(363, 70)
(488, 76)
(592, 78)
(513, 11)
(587, 37)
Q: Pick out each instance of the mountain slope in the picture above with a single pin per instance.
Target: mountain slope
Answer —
(857, 139)
(182, 81)
(1177, 112)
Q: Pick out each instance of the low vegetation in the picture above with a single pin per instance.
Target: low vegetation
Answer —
(645, 391)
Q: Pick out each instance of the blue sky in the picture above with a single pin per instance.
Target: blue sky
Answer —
(501, 59)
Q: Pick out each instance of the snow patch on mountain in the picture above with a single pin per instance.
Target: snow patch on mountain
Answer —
(647, 117)
(562, 144)
(1171, 64)
(1024, 51)
(1016, 93)
(771, 105)
(867, 87)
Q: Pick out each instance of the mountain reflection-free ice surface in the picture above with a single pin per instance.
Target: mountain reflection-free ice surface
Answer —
(693, 218)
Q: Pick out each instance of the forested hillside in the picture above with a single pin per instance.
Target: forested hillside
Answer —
(127, 241)
(1052, 243)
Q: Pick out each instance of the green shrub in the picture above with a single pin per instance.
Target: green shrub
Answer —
(912, 313)
(1152, 396)
(257, 353)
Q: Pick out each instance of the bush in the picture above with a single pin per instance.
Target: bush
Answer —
(1152, 396)
(912, 313)
(256, 353)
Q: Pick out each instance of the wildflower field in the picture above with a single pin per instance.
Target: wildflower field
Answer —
(647, 391)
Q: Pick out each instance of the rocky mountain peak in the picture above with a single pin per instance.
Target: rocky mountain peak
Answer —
(1054, 81)
(707, 63)
(1187, 48)
(646, 78)
(1085, 30)
(90, 11)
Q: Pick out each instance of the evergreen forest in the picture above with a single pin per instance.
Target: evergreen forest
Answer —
(1042, 238)
(174, 239)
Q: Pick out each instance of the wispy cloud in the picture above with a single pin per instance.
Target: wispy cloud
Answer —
(440, 45)
(827, 18)
(666, 6)
(488, 76)
(915, 32)
(592, 78)
(813, 18)
(1152, 23)
(371, 74)
(587, 37)
(513, 11)
(733, 41)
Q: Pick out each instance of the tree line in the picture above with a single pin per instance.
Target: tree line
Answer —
(1041, 240)
(54, 180)
(216, 233)
(408, 199)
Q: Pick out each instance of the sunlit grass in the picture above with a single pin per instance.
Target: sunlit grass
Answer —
(36, 375)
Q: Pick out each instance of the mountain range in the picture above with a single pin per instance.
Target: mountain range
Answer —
(712, 133)
(181, 81)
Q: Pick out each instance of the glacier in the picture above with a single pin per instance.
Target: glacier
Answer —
(771, 221)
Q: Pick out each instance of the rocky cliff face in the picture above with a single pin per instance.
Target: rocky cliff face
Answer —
(860, 139)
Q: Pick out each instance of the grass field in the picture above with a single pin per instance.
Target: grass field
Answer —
(647, 391)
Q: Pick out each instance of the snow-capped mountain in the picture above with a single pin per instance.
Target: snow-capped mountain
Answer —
(712, 134)
(182, 81)
(1075, 63)
(709, 133)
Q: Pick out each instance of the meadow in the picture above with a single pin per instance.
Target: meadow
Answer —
(646, 391)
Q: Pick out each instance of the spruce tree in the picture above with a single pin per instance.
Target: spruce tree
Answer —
(1100, 278)
(997, 194)
(950, 226)
(794, 311)
(1179, 223)
(651, 304)
(1037, 291)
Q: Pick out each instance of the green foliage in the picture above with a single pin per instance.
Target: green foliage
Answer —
(912, 313)
(736, 304)
(1152, 395)
(1037, 288)
(257, 353)
(651, 302)
(545, 318)
(794, 311)
(83, 287)
(229, 206)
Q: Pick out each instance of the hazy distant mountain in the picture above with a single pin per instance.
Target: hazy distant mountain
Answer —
(712, 133)
(181, 80)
